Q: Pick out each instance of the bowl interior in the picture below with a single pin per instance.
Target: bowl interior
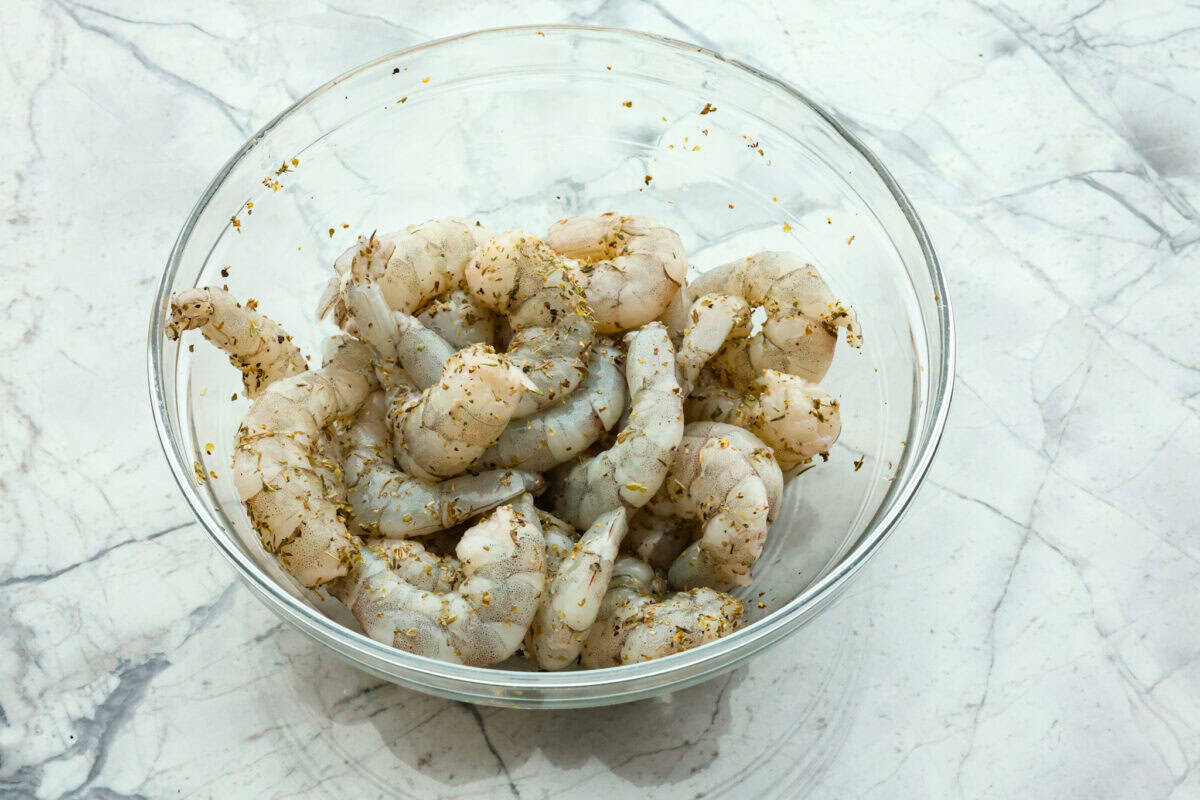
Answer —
(518, 128)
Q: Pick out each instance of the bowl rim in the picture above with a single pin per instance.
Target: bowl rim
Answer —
(487, 683)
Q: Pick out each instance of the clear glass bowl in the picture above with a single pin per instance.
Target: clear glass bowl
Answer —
(519, 127)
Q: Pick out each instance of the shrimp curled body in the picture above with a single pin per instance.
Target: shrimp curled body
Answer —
(635, 624)
(479, 622)
(273, 464)
(393, 504)
(631, 266)
(803, 317)
(728, 479)
(256, 345)
(631, 471)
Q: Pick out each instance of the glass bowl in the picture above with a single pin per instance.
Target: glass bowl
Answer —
(519, 127)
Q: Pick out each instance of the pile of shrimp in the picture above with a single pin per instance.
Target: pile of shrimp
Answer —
(556, 448)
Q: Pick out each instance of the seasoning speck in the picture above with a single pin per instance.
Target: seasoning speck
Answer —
(208, 448)
(858, 464)
(850, 240)
(708, 109)
(787, 228)
(648, 178)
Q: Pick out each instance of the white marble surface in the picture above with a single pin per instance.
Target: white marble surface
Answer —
(1030, 631)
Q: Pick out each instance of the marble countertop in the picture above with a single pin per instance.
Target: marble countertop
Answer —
(1029, 631)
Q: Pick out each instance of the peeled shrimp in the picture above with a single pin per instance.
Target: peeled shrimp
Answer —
(803, 316)
(631, 471)
(479, 622)
(473, 394)
(568, 429)
(273, 469)
(632, 266)
(574, 590)
(794, 417)
(518, 276)
(634, 625)
(412, 563)
(256, 345)
(728, 479)
(396, 336)
(442, 432)
(459, 320)
(385, 500)
(712, 319)
(412, 266)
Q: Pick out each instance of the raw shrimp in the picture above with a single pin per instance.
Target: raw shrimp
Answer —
(474, 393)
(566, 430)
(459, 320)
(630, 472)
(385, 500)
(273, 468)
(442, 432)
(396, 336)
(728, 479)
(794, 417)
(412, 563)
(483, 619)
(803, 316)
(634, 625)
(574, 590)
(256, 345)
(520, 277)
(412, 266)
(712, 319)
(631, 266)
(659, 540)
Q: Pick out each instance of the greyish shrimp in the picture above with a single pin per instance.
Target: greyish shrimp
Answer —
(463, 410)
(412, 266)
(712, 320)
(803, 317)
(256, 345)
(630, 471)
(566, 430)
(795, 418)
(459, 320)
(574, 589)
(728, 479)
(288, 502)
(518, 276)
(483, 618)
(635, 624)
(631, 266)
(385, 500)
